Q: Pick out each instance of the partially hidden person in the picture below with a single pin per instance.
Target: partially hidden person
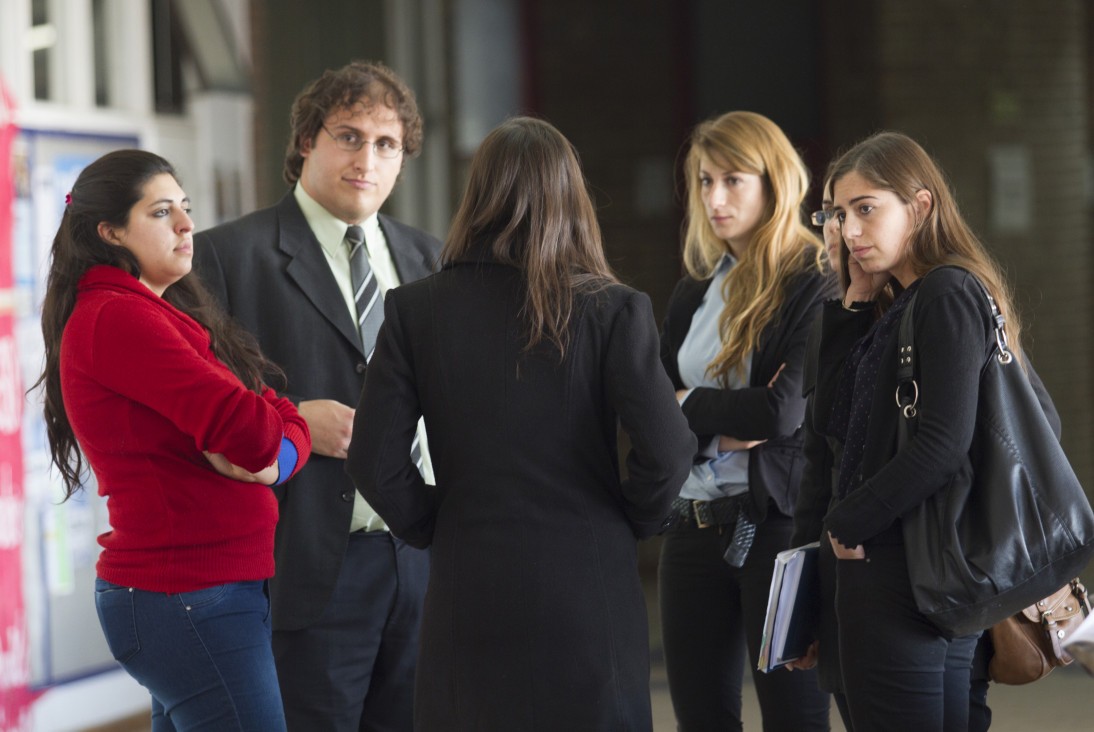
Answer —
(307, 277)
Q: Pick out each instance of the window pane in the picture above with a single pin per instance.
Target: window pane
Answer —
(42, 42)
(167, 59)
(101, 52)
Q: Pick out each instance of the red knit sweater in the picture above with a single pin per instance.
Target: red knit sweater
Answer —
(145, 396)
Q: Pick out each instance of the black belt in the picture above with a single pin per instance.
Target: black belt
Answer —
(707, 514)
(719, 513)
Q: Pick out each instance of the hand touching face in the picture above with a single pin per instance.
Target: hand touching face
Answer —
(877, 226)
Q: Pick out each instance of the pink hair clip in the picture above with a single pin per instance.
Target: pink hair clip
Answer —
(68, 199)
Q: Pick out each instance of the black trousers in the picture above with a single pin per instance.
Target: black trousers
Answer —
(712, 618)
(899, 673)
(828, 669)
(353, 670)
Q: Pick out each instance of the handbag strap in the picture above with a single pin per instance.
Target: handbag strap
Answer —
(907, 390)
(1079, 590)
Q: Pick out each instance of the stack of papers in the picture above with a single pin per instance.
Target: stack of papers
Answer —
(1080, 644)
(792, 607)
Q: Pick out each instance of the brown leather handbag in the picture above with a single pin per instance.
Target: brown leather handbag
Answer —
(1029, 645)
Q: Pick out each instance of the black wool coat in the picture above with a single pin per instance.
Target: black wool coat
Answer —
(535, 617)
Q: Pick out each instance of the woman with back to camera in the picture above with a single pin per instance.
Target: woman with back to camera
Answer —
(523, 354)
(164, 399)
(733, 344)
(901, 229)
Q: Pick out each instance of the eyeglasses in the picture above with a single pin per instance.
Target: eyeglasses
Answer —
(820, 218)
(352, 142)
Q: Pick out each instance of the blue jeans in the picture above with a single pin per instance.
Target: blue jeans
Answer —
(204, 656)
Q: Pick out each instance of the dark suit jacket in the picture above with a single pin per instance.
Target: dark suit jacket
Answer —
(756, 412)
(535, 617)
(269, 271)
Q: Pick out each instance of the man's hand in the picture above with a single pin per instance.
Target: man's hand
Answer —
(331, 426)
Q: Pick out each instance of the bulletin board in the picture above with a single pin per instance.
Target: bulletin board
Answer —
(60, 547)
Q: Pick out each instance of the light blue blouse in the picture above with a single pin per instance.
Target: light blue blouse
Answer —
(722, 473)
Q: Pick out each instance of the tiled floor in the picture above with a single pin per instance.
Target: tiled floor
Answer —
(1063, 700)
(1066, 697)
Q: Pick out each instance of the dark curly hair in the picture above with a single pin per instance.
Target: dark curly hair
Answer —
(360, 82)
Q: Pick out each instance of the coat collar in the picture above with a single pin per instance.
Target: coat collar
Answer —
(479, 253)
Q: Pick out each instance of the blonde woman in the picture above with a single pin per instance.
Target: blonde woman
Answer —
(733, 344)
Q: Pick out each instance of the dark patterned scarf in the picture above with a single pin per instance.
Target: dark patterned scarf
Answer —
(855, 391)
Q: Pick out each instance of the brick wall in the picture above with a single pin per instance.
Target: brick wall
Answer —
(968, 80)
(608, 75)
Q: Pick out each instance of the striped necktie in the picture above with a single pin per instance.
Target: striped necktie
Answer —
(370, 310)
(366, 291)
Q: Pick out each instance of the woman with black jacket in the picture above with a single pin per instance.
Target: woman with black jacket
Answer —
(525, 356)
(733, 344)
(901, 229)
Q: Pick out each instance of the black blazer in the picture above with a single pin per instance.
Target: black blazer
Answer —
(756, 412)
(534, 585)
(269, 271)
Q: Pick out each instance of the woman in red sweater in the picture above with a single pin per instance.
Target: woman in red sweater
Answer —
(165, 400)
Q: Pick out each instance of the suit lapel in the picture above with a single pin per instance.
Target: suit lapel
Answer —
(690, 298)
(410, 262)
(308, 268)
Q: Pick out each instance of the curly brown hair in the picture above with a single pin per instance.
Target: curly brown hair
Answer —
(359, 82)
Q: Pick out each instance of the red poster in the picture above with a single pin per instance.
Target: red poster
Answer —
(15, 697)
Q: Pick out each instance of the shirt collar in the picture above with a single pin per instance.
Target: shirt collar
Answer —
(328, 229)
(725, 264)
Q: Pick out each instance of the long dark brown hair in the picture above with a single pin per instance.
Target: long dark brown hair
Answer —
(894, 162)
(106, 191)
(527, 200)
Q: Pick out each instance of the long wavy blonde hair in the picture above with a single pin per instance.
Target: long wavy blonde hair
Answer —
(782, 245)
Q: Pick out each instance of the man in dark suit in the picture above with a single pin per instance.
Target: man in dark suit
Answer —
(347, 595)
